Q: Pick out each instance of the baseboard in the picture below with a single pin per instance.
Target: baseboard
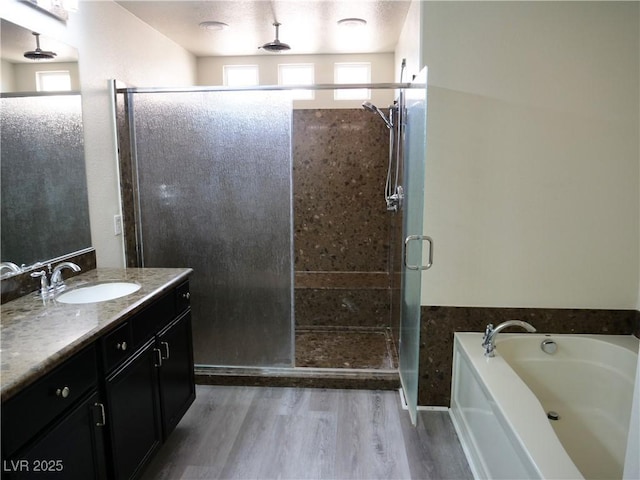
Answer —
(421, 408)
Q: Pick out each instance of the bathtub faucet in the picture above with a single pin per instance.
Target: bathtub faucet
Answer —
(490, 334)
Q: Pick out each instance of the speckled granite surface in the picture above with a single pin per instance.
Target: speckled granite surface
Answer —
(339, 171)
(345, 348)
(438, 324)
(36, 336)
(342, 230)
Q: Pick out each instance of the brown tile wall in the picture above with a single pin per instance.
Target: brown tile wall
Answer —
(341, 227)
(439, 324)
(127, 182)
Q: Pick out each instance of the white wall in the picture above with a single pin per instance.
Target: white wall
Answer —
(111, 43)
(7, 82)
(210, 73)
(25, 74)
(532, 182)
(409, 44)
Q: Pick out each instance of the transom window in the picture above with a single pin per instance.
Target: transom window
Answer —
(53, 81)
(297, 74)
(352, 73)
(240, 75)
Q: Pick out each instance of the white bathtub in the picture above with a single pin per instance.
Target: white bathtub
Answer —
(500, 404)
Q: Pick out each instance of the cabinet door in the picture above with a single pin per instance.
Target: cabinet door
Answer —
(177, 385)
(72, 449)
(134, 413)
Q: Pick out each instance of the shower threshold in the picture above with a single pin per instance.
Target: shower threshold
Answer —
(365, 379)
(326, 357)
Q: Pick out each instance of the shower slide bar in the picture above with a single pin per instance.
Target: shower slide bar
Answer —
(222, 88)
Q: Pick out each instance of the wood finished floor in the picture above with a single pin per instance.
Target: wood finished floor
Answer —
(298, 433)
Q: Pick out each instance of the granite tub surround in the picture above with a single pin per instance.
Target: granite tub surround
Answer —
(38, 335)
(440, 323)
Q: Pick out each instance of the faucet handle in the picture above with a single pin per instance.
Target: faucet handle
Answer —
(44, 284)
(487, 334)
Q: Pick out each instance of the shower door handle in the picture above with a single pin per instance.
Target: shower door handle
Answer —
(406, 247)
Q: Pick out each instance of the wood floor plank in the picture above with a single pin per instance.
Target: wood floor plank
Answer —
(433, 448)
(293, 433)
(204, 436)
(370, 442)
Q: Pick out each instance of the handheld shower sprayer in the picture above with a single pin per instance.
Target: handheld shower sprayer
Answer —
(392, 190)
(372, 108)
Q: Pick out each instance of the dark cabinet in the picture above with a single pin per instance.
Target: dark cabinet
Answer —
(134, 412)
(150, 391)
(55, 427)
(177, 385)
(72, 448)
(104, 412)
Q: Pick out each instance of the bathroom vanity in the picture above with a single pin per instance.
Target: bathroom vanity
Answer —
(92, 390)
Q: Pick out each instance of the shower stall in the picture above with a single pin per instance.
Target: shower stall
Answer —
(299, 264)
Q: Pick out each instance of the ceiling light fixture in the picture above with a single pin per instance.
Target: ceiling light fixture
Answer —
(213, 26)
(352, 22)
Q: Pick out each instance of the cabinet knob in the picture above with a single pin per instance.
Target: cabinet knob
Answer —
(63, 392)
(186, 296)
(121, 346)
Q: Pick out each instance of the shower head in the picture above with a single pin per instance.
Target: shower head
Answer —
(372, 108)
(275, 46)
(38, 53)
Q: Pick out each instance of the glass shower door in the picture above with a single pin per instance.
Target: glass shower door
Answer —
(413, 208)
(214, 193)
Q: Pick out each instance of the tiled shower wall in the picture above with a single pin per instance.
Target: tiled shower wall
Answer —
(341, 226)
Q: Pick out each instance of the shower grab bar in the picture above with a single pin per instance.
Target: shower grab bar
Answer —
(411, 238)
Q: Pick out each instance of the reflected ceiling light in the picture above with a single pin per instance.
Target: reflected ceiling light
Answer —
(213, 26)
(352, 22)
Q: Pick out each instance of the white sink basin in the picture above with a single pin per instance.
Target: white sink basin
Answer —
(98, 292)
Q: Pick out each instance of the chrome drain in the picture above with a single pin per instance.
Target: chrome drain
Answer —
(551, 415)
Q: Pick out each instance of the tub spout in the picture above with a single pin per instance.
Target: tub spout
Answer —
(490, 334)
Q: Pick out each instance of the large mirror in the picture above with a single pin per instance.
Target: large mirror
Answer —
(45, 211)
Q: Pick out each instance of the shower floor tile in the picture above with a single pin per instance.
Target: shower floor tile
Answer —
(345, 347)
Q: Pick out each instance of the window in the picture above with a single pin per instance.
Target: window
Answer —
(51, 81)
(352, 73)
(240, 75)
(297, 74)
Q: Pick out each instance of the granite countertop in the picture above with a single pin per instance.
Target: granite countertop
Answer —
(37, 335)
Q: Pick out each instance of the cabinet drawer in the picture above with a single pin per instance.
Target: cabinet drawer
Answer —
(116, 346)
(182, 298)
(37, 405)
(153, 318)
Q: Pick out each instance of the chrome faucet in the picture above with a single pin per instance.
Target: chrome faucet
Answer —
(490, 334)
(57, 282)
(49, 288)
(12, 267)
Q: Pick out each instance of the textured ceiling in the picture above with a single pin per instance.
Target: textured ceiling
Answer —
(308, 26)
